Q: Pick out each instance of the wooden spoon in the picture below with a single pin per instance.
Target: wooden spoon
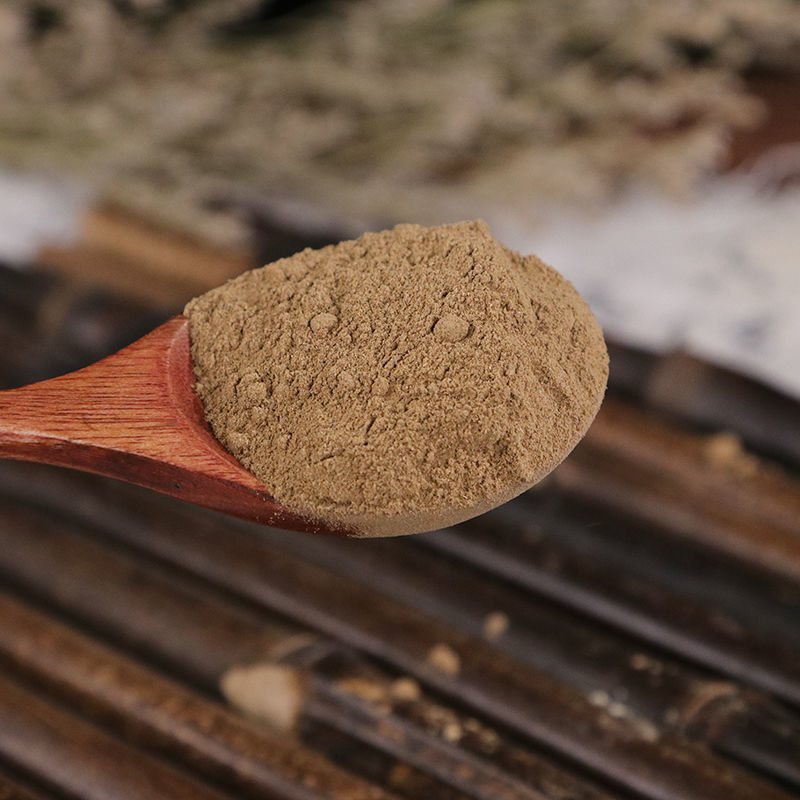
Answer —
(134, 416)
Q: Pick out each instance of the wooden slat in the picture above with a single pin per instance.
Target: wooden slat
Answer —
(669, 478)
(202, 637)
(550, 713)
(77, 758)
(163, 716)
(607, 665)
(10, 789)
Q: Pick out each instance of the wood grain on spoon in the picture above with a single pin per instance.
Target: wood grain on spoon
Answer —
(134, 416)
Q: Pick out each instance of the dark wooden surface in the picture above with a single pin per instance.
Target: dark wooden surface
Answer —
(648, 592)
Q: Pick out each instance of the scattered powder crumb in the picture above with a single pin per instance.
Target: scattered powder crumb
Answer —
(400, 382)
(443, 658)
(640, 661)
(488, 739)
(452, 732)
(617, 710)
(405, 690)
(364, 689)
(272, 693)
(473, 725)
(724, 451)
(620, 712)
(495, 625)
(438, 718)
(647, 730)
(599, 698)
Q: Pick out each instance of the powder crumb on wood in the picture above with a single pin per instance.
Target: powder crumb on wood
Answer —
(405, 690)
(273, 693)
(640, 661)
(495, 625)
(488, 739)
(436, 718)
(443, 658)
(599, 698)
(364, 689)
(452, 732)
(647, 730)
(724, 451)
(619, 712)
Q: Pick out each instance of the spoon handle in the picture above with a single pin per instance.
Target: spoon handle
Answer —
(134, 416)
(41, 422)
(120, 404)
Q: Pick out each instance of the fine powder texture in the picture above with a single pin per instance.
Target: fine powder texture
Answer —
(407, 379)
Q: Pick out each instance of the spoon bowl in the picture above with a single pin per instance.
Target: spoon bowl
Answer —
(134, 416)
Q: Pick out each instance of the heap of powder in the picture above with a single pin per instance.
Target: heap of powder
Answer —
(404, 380)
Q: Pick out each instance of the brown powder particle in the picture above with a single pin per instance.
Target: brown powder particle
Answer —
(495, 625)
(487, 739)
(452, 732)
(443, 658)
(271, 692)
(400, 382)
(364, 689)
(639, 661)
(405, 690)
(724, 451)
(599, 698)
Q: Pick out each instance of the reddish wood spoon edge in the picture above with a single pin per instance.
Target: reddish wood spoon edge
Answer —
(134, 416)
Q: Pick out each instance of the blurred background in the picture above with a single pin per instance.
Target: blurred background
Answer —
(628, 629)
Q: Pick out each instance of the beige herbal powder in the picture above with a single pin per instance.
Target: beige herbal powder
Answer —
(402, 381)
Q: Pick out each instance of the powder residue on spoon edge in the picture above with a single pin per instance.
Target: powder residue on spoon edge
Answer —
(402, 381)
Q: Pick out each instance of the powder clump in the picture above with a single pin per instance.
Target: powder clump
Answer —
(450, 328)
(406, 379)
(322, 323)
